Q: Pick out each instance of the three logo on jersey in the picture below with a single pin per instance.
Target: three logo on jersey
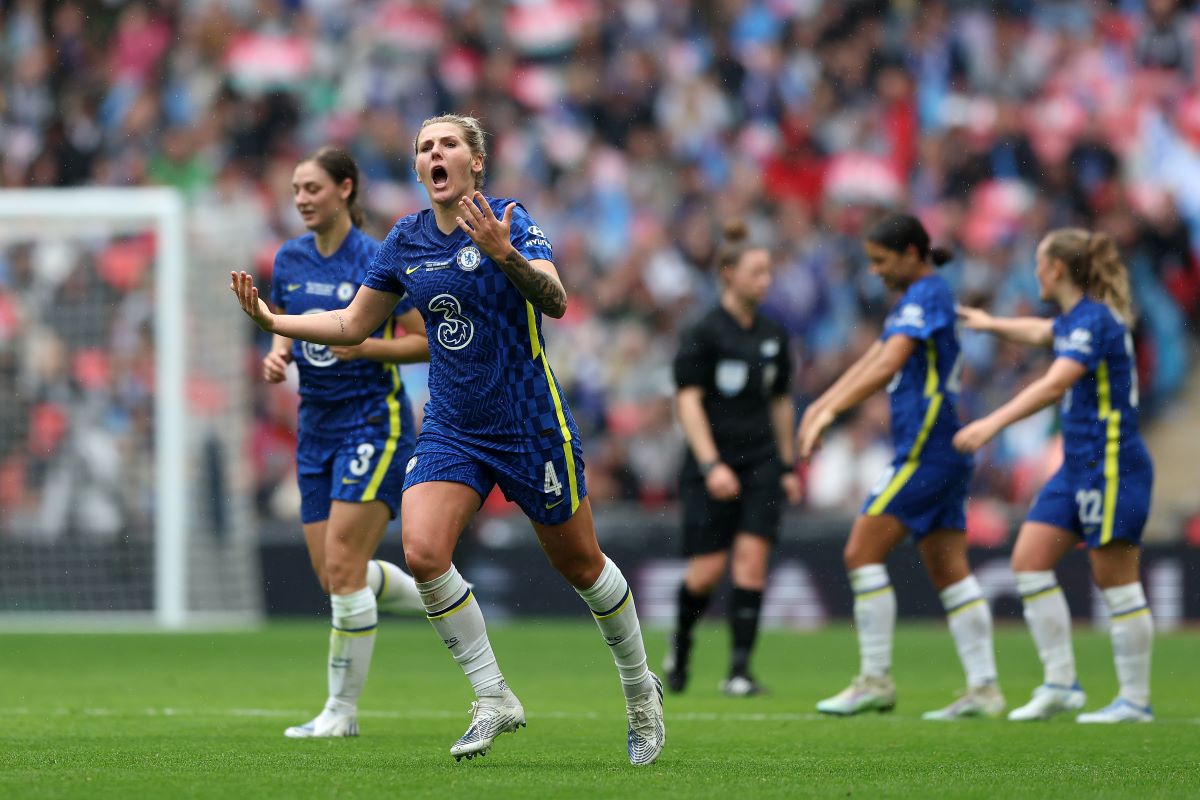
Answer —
(1079, 340)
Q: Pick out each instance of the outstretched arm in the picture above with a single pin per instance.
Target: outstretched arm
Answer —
(1049, 388)
(410, 348)
(536, 280)
(351, 325)
(1026, 330)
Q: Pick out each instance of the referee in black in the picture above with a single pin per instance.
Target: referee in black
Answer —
(733, 373)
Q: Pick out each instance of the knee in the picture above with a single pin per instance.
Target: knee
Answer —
(855, 556)
(340, 576)
(425, 561)
(749, 571)
(580, 570)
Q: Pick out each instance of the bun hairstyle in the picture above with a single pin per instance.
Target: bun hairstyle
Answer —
(339, 165)
(734, 244)
(1094, 265)
(472, 132)
(898, 232)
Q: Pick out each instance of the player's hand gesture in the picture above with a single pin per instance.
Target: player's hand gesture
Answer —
(722, 483)
(975, 319)
(275, 365)
(479, 222)
(349, 352)
(812, 426)
(791, 487)
(242, 285)
(973, 436)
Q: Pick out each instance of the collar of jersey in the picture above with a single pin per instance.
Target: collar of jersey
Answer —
(429, 222)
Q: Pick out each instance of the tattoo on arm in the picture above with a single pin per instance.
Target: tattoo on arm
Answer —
(341, 324)
(542, 290)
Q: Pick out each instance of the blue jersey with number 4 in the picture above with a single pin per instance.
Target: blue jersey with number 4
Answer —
(337, 397)
(924, 393)
(1100, 412)
(489, 379)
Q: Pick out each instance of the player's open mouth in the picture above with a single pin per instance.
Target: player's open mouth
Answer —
(439, 177)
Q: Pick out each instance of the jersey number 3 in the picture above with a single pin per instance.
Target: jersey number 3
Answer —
(455, 331)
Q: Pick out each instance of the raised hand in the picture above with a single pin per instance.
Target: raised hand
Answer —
(242, 285)
(479, 222)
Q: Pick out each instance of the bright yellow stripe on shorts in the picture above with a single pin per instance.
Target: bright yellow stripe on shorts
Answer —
(535, 346)
(393, 403)
(558, 406)
(571, 479)
(914, 455)
(1112, 449)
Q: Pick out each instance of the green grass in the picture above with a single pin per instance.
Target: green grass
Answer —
(201, 715)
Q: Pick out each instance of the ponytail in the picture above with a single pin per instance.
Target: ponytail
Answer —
(1094, 265)
(898, 232)
(339, 165)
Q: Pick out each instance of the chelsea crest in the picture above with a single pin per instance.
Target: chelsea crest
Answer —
(468, 258)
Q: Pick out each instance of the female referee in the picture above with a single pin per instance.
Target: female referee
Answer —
(733, 371)
(1101, 493)
(356, 427)
(924, 492)
(480, 271)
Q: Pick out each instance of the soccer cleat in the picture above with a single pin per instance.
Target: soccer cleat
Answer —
(975, 701)
(1049, 699)
(647, 731)
(675, 666)
(1119, 710)
(865, 693)
(741, 686)
(491, 715)
(329, 723)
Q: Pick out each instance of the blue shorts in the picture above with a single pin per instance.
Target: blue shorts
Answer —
(1096, 508)
(546, 483)
(360, 467)
(925, 497)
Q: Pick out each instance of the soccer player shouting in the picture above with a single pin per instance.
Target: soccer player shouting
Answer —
(924, 492)
(481, 273)
(1101, 493)
(356, 427)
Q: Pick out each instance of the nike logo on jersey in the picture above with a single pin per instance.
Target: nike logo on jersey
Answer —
(553, 505)
(291, 287)
(411, 270)
(348, 481)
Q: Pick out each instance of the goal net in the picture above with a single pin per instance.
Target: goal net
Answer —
(123, 414)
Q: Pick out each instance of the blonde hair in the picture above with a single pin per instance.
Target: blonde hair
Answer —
(473, 135)
(1094, 265)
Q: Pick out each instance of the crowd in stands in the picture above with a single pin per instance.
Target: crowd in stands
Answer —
(631, 129)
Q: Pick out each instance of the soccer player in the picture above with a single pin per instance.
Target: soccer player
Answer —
(924, 492)
(356, 427)
(1101, 493)
(480, 272)
(733, 371)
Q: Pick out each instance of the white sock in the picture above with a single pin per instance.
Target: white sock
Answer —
(1049, 621)
(451, 608)
(970, 619)
(874, 618)
(611, 602)
(351, 643)
(395, 590)
(1132, 636)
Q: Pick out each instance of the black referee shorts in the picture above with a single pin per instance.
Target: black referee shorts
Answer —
(709, 525)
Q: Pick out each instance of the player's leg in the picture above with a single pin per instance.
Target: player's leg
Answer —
(1039, 548)
(1115, 567)
(704, 572)
(573, 550)
(434, 515)
(748, 573)
(872, 538)
(944, 554)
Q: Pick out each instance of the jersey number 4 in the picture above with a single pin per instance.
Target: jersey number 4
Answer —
(551, 484)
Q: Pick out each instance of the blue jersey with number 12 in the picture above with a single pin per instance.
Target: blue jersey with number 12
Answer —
(489, 379)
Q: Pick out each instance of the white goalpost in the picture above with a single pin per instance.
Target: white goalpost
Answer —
(68, 259)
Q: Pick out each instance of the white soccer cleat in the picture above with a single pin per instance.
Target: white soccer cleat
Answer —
(976, 701)
(647, 731)
(1119, 710)
(1049, 699)
(329, 723)
(865, 693)
(741, 686)
(491, 715)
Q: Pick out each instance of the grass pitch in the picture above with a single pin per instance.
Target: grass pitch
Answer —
(202, 715)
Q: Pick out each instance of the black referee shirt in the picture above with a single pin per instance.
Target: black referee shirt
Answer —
(740, 372)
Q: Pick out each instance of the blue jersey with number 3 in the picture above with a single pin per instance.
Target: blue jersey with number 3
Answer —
(489, 379)
(924, 393)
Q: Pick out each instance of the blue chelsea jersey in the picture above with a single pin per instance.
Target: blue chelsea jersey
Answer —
(337, 397)
(924, 393)
(1100, 412)
(489, 379)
